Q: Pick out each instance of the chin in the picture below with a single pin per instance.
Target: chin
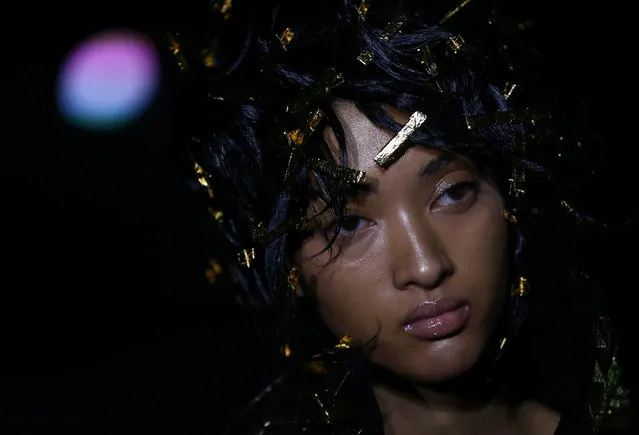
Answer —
(437, 362)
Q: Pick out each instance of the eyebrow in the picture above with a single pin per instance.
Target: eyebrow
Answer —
(431, 168)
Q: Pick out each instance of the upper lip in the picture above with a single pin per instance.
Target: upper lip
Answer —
(428, 309)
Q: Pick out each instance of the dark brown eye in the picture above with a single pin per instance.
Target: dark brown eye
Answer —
(457, 193)
(350, 223)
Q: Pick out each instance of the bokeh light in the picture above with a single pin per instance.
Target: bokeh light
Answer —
(108, 80)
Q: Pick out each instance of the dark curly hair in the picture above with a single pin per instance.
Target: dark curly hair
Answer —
(236, 118)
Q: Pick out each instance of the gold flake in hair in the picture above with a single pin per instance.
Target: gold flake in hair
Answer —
(396, 147)
(365, 57)
(509, 89)
(246, 257)
(224, 8)
(294, 277)
(314, 120)
(296, 139)
(454, 11)
(346, 174)
(203, 179)
(286, 37)
(522, 289)
(362, 9)
(510, 217)
(217, 215)
(456, 43)
(391, 29)
(344, 342)
(176, 51)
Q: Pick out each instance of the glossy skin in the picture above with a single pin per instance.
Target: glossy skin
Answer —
(419, 238)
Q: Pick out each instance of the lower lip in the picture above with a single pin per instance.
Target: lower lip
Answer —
(442, 326)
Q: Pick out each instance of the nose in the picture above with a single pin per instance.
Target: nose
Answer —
(418, 253)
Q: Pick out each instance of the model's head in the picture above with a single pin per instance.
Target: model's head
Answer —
(428, 231)
(421, 238)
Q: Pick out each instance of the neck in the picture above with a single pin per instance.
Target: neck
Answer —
(442, 411)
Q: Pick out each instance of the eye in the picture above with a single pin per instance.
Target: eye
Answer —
(457, 194)
(349, 225)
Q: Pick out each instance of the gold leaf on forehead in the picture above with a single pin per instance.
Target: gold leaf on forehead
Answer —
(396, 147)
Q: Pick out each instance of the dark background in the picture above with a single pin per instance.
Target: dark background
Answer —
(107, 323)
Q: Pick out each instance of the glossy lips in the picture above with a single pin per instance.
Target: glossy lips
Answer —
(439, 319)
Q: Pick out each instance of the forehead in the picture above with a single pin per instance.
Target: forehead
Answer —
(363, 138)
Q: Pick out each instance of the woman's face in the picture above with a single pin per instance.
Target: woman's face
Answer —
(427, 232)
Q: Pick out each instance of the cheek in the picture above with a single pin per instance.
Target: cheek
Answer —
(481, 255)
(346, 304)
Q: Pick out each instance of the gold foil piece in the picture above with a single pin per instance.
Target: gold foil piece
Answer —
(176, 51)
(365, 57)
(296, 138)
(508, 90)
(510, 217)
(522, 289)
(396, 147)
(293, 278)
(217, 215)
(213, 271)
(346, 174)
(344, 342)
(454, 11)
(362, 9)
(456, 43)
(286, 37)
(202, 178)
(391, 29)
(224, 8)
(314, 120)
(246, 257)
